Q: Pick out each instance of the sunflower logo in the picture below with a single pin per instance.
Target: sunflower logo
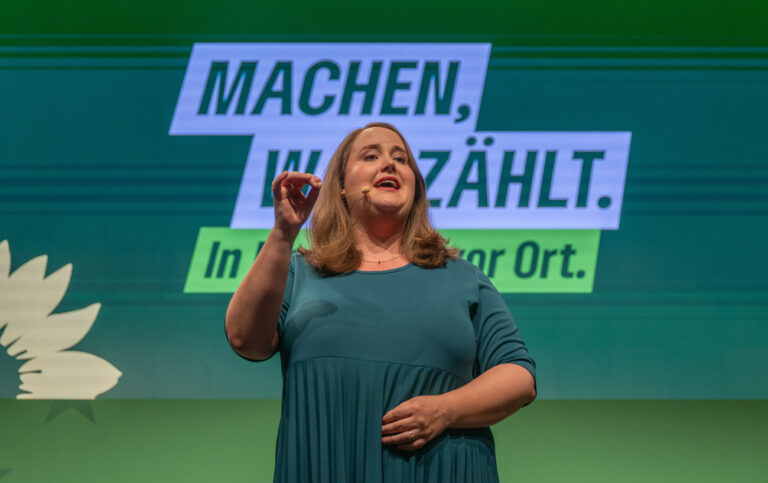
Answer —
(31, 333)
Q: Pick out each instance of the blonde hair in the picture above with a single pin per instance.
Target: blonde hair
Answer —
(333, 250)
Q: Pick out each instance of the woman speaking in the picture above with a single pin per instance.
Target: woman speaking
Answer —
(396, 356)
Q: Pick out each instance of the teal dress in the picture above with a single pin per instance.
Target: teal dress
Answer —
(354, 346)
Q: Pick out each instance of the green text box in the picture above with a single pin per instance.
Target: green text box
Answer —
(517, 261)
(223, 256)
(532, 261)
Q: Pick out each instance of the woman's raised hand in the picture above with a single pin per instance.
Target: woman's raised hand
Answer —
(292, 208)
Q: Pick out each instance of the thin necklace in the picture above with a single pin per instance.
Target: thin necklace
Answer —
(379, 261)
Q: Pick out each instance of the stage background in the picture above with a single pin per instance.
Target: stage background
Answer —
(659, 374)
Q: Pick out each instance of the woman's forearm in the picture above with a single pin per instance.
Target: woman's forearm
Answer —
(253, 312)
(490, 397)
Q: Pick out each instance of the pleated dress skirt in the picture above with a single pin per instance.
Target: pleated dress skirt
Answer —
(330, 428)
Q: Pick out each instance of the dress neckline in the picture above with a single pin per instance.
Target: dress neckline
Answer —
(404, 267)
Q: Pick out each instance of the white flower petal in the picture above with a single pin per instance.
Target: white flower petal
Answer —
(67, 375)
(26, 298)
(32, 296)
(32, 270)
(5, 260)
(22, 296)
(32, 331)
(54, 333)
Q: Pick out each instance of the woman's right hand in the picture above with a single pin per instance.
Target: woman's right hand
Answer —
(292, 208)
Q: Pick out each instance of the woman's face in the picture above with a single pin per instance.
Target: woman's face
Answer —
(378, 159)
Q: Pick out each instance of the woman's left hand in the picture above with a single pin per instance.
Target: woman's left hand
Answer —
(423, 416)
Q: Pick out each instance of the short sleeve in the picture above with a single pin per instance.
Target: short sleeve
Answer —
(288, 294)
(498, 338)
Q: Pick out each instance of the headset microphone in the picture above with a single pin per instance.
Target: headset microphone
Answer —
(366, 189)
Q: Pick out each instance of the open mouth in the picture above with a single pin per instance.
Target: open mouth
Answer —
(388, 183)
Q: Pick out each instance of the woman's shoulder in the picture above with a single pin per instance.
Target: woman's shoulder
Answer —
(301, 268)
(297, 257)
(461, 266)
(461, 269)
(299, 262)
(469, 273)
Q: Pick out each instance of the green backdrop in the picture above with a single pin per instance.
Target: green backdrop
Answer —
(660, 373)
